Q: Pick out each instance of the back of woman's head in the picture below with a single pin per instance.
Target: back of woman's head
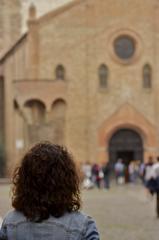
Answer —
(46, 183)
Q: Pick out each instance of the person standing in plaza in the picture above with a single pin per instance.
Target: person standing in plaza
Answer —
(149, 176)
(87, 174)
(156, 177)
(142, 172)
(46, 199)
(97, 175)
(119, 171)
(133, 171)
(106, 172)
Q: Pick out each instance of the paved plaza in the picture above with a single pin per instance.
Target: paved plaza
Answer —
(124, 212)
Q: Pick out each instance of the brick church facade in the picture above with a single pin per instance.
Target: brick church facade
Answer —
(85, 75)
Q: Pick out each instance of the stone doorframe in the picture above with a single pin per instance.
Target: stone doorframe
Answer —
(127, 117)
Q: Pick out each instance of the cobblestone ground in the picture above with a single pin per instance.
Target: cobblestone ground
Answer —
(124, 212)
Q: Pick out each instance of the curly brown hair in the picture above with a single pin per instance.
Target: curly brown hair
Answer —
(46, 183)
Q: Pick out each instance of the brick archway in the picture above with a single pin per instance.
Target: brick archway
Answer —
(127, 117)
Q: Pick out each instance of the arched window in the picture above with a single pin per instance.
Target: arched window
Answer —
(147, 76)
(35, 112)
(60, 72)
(35, 115)
(103, 76)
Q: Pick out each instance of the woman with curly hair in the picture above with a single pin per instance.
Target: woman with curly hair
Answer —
(46, 199)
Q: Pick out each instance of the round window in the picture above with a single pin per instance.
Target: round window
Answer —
(124, 47)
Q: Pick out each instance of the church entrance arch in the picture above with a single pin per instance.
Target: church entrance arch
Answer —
(126, 144)
(140, 136)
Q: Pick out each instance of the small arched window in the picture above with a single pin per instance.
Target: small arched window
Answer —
(60, 72)
(147, 76)
(103, 76)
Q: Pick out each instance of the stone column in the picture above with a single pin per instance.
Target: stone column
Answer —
(9, 116)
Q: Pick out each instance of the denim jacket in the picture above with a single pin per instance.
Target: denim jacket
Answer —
(71, 226)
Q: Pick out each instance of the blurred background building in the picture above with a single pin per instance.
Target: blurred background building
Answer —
(85, 74)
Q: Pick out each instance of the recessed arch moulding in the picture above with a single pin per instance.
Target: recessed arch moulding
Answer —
(127, 117)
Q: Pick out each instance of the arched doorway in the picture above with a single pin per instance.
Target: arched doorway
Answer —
(126, 144)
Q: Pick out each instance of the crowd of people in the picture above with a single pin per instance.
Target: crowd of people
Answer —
(95, 175)
(100, 175)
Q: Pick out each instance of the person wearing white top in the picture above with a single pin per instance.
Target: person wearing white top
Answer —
(156, 168)
(156, 177)
(149, 170)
